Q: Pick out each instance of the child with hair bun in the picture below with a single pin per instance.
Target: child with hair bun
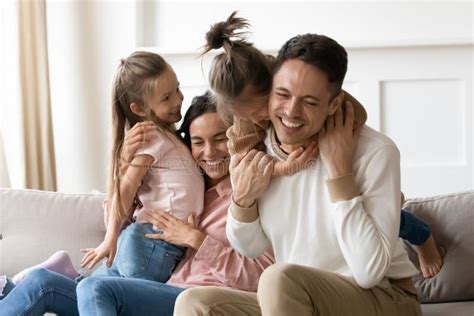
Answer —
(241, 80)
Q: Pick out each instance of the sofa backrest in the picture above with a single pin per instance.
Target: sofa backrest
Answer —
(35, 224)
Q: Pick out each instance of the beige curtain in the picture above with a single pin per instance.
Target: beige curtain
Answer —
(35, 96)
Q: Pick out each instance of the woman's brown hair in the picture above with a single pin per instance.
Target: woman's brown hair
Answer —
(239, 66)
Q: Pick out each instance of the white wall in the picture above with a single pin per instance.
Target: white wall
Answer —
(182, 24)
(411, 65)
(422, 98)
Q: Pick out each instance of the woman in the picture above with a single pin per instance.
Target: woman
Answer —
(209, 260)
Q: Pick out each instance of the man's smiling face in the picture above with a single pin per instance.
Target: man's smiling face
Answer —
(300, 101)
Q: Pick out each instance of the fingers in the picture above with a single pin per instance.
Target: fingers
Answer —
(139, 131)
(110, 259)
(329, 123)
(356, 134)
(256, 159)
(267, 172)
(250, 155)
(253, 157)
(94, 261)
(155, 236)
(156, 219)
(299, 158)
(140, 127)
(191, 219)
(166, 217)
(87, 251)
(309, 152)
(139, 136)
(236, 159)
(349, 119)
(296, 153)
(88, 258)
(338, 118)
(321, 133)
(263, 162)
(141, 139)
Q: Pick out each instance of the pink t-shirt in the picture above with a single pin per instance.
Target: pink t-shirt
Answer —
(173, 182)
(216, 262)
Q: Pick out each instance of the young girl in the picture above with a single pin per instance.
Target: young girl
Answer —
(161, 176)
(241, 79)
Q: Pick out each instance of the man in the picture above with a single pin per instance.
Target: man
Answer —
(334, 226)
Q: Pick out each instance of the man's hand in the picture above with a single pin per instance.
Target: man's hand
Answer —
(337, 142)
(250, 174)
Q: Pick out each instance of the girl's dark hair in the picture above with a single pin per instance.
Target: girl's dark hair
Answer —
(320, 51)
(200, 105)
(239, 66)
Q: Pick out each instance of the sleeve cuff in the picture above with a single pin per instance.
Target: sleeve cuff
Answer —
(342, 188)
(244, 214)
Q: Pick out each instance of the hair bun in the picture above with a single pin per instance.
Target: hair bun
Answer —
(222, 32)
(216, 36)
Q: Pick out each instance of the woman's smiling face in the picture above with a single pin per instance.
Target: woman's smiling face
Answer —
(209, 146)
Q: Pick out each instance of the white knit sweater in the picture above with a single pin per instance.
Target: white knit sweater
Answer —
(357, 238)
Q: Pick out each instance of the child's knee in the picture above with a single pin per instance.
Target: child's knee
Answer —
(89, 287)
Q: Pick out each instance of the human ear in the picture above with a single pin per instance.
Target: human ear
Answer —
(336, 103)
(136, 109)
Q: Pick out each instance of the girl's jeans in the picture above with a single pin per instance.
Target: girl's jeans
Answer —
(413, 229)
(142, 258)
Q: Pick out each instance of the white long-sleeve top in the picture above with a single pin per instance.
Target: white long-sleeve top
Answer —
(356, 238)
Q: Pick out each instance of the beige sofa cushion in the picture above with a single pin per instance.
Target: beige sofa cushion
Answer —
(35, 224)
(451, 218)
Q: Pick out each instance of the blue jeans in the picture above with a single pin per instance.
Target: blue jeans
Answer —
(413, 229)
(40, 292)
(45, 291)
(142, 258)
(106, 296)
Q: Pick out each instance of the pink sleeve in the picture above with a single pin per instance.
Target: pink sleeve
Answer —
(157, 148)
(230, 267)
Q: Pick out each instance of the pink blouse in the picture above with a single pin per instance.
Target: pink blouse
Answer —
(173, 182)
(216, 262)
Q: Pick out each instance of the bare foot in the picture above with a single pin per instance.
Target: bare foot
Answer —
(429, 257)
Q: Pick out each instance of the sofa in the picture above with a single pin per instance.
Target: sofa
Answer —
(35, 224)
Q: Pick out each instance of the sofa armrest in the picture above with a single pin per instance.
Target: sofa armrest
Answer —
(34, 224)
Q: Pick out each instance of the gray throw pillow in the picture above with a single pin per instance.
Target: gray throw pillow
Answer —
(451, 219)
